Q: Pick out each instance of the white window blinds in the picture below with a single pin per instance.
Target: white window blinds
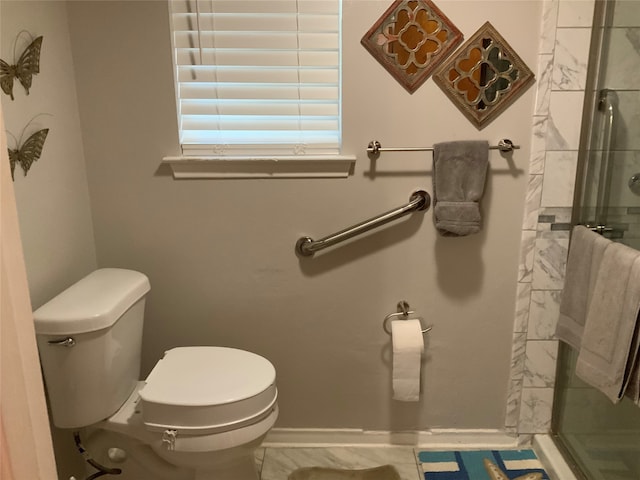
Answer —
(258, 77)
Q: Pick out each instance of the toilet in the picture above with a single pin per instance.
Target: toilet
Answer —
(199, 415)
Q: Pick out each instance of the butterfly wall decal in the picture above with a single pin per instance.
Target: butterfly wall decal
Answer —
(27, 65)
(28, 152)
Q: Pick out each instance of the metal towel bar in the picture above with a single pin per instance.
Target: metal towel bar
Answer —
(505, 145)
(306, 246)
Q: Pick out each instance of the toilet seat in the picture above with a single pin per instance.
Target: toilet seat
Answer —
(128, 421)
(202, 390)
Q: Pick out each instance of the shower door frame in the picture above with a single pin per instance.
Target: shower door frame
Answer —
(591, 128)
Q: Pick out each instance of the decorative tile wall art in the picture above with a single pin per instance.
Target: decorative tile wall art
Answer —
(484, 76)
(411, 39)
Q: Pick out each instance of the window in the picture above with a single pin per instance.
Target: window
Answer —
(259, 77)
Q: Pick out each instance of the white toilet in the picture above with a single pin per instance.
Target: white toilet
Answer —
(199, 415)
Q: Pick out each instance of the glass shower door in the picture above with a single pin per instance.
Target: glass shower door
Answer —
(610, 150)
(603, 439)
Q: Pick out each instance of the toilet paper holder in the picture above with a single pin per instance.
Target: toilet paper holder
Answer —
(403, 313)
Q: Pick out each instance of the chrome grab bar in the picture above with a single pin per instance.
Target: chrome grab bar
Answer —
(306, 246)
(505, 145)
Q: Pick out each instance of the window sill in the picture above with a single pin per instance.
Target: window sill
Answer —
(310, 166)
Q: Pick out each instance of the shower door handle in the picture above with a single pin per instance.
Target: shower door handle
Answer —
(607, 102)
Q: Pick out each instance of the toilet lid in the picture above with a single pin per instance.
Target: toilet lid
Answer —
(207, 389)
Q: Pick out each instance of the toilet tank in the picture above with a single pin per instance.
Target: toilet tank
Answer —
(89, 339)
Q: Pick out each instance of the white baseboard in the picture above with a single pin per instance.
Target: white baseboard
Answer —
(552, 459)
(435, 438)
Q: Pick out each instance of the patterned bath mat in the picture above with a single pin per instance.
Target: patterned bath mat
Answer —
(481, 465)
(385, 472)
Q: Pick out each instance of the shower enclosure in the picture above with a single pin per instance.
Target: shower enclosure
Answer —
(599, 439)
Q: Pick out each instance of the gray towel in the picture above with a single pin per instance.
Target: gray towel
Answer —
(585, 254)
(609, 343)
(459, 173)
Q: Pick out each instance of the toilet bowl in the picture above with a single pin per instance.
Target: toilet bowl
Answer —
(199, 415)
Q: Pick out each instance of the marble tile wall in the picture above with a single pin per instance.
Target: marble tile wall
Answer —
(561, 78)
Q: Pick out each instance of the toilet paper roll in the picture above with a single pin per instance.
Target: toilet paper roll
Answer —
(408, 345)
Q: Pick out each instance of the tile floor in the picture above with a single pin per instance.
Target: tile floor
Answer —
(278, 463)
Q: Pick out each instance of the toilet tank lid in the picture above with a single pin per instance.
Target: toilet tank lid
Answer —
(91, 304)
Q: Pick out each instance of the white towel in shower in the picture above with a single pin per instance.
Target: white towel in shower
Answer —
(633, 389)
(585, 254)
(609, 348)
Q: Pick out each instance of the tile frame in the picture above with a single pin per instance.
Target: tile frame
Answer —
(525, 79)
(411, 85)
(545, 229)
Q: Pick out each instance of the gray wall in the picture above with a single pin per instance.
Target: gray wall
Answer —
(219, 253)
(53, 203)
(53, 200)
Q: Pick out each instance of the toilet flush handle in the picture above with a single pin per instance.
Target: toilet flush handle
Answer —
(65, 342)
